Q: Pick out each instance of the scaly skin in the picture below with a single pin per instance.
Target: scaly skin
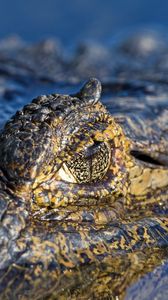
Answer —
(71, 187)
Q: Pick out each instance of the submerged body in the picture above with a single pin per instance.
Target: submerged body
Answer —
(83, 197)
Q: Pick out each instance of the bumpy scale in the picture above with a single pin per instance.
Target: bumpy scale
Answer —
(70, 181)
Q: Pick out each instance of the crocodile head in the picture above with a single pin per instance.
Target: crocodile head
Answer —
(64, 149)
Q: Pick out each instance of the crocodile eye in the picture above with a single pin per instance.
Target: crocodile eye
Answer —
(88, 166)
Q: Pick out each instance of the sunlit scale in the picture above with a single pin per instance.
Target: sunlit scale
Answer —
(76, 149)
(71, 231)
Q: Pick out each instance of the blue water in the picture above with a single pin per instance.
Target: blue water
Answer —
(76, 20)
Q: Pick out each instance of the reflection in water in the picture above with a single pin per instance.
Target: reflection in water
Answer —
(126, 249)
(151, 286)
(111, 279)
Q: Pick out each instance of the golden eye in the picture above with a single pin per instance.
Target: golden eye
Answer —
(89, 166)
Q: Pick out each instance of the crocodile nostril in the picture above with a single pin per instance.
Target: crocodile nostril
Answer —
(144, 157)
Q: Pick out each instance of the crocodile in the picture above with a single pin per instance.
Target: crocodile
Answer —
(83, 205)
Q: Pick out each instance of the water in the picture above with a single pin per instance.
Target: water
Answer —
(78, 20)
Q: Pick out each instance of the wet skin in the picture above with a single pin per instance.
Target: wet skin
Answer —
(79, 201)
